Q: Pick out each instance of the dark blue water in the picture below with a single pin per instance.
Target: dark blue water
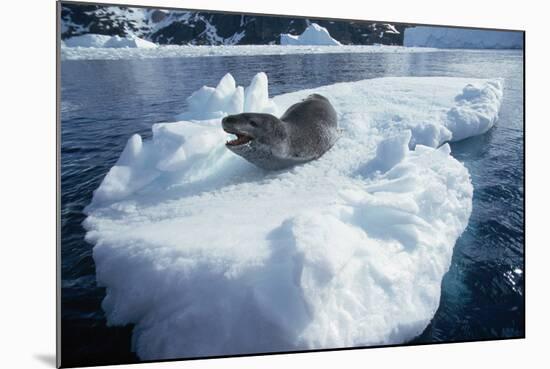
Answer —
(104, 102)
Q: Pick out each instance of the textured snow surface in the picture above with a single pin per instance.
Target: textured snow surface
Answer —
(313, 35)
(208, 255)
(175, 51)
(107, 42)
(460, 38)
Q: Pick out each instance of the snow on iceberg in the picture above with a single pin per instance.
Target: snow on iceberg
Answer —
(227, 98)
(104, 41)
(313, 35)
(208, 255)
(461, 38)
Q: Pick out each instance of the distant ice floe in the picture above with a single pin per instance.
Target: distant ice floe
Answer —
(313, 35)
(462, 38)
(208, 255)
(103, 41)
(188, 51)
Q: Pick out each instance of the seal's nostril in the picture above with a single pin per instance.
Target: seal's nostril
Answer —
(229, 120)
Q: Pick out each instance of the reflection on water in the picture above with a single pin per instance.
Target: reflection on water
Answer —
(104, 102)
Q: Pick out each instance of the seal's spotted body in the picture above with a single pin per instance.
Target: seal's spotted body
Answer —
(304, 132)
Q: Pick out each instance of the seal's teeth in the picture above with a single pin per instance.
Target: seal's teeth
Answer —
(240, 140)
(231, 140)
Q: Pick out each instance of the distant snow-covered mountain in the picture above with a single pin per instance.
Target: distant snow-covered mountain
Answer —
(204, 28)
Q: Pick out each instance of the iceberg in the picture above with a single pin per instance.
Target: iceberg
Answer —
(104, 41)
(462, 38)
(208, 255)
(313, 35)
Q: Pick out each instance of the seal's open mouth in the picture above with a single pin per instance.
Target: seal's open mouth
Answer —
(228, 125)
(240, 140)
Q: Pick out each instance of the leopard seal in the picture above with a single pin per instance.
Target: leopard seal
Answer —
(304, 132)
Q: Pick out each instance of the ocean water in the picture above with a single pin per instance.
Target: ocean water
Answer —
(104, 102)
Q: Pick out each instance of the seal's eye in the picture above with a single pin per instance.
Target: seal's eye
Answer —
(253, 123)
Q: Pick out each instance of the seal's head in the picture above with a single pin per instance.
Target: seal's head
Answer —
(261, 138)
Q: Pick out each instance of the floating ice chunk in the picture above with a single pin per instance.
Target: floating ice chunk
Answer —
(313, 35)
(207, 255)
(476, 110)
(460, 38)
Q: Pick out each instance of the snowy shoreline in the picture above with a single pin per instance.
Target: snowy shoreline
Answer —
(173, 51)
(328, 254)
